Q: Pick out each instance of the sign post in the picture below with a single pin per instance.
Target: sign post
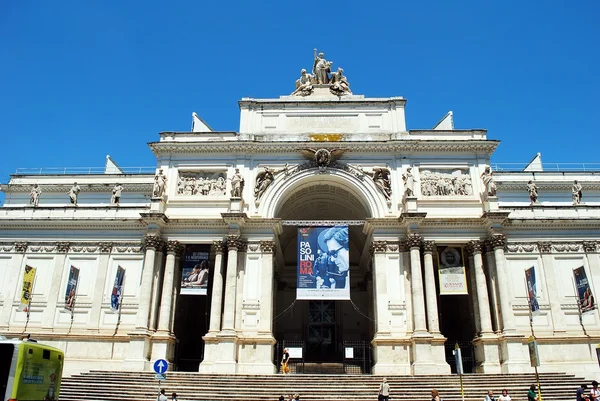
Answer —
(160, 367)
(459, 368)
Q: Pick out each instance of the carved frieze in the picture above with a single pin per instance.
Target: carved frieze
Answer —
(127, 248)
(591, 246)
(545, 247)
(414, 241)
(253, 246)
(83, 248)
(567, 247)
(378, 246)
(201, 183)
(105, 247)
(63, 247)
(6, 247)
(20, 247)
(521, 247)
(43, 248)
(440, 182)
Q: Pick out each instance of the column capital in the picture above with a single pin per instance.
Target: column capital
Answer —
(268, 247)
(428, 246)
(235, 242)
(152, 242)
(498, 241)
(414, 241)
(591, 246)
(63, 246)
(545, 247)
(219, 246)
(21, 246)
(475, 246)
(378, 246)
(173, 247)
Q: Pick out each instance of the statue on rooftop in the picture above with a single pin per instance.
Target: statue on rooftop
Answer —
(74, 193)
(304, 85)
(339, 85)
(576, 192)
(116, 194)
(321, 68)
(533, 192)
(237, 184)
(34, 195)
(409, 182)
(488, 181)
(160, 185)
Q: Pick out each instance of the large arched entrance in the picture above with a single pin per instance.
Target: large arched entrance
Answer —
(324, 329)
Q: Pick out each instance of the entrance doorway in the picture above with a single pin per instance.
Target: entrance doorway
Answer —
(322, 337)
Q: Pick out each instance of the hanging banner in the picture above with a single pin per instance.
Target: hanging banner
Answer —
(585, 298)
(71, 288)
(323, 263)
(534, 356)
(194, 279)
(28, 278)
(117, 291)
(451, 271)
(534, 306)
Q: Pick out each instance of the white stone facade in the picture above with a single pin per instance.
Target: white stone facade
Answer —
(393, 262)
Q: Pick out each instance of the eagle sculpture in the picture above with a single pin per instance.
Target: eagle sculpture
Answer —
(322, 157)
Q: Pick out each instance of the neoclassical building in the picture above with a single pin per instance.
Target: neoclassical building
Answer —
(415, 202)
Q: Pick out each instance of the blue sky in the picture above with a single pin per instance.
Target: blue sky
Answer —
(82, 79)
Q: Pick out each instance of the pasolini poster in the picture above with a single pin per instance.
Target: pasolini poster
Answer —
(194, 278)
(585, 298)
(323, 263)
(451, 271)
(71, 290)
(530, 279)
(117, 290)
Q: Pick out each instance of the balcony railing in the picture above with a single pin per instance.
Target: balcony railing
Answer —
(509, 167)
(84, 170)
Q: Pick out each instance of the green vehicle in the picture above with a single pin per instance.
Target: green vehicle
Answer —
(29, 371)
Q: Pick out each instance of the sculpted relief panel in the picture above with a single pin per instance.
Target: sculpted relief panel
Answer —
(201, 183)
(446, 182)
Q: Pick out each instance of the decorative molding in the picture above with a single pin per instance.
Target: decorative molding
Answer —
(414, 241)
(127, 248)
(105, 247)
(445, 182)
(267, 246)
(63, 247)
(396, 307)
(96, 188)
(318, 223)
(521, 247)
(20, 247)
(591, 246)
(83, 248)
(428, 246)
(6, 247)
(246, 305)
(378, 246)
(545, 247)
(567, 247)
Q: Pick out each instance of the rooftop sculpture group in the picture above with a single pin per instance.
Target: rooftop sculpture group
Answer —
(322, 75)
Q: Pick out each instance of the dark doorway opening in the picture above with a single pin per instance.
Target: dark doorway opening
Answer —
(457, 325)
(323, 339)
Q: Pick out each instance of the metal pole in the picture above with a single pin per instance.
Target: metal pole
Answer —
(537, 376)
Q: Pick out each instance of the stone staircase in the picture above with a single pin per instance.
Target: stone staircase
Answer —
(141, 386)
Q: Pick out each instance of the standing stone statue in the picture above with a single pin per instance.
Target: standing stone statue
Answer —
(237, 184)
(34, 195)
(303, 84)
(74, 193)
(339, 84)
(409, 182)
(160, 185)
(488, 181)
(533, 191)
(116, 194)
(263, 181)
(576, 192)
(321, 68)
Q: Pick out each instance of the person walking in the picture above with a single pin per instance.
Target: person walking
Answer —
(285, 369)
(384, 390)
(162, 396)
(532, 394)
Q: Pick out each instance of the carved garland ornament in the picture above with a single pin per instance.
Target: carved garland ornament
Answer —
(521, 247)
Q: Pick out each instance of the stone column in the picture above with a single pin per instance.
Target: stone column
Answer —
(473, 290)
(490, 264)
(99, 287)
(157, 279)
(16, 285)
(151, 244)
(233, 244)
(54, 292)
(430, 290)
(217, 289)
(498, 242)
(418, 300)
(175, 294)
(551, 282)
(166, 300)
(380, 290)
(266, 294)
(483, 302)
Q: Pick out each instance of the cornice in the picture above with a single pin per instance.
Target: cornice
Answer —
(564, 186)
(64, 188)
(391, 146)
(79, 224)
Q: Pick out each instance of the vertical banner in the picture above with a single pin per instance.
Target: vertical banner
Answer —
(323, 263)
(451, 271)
(28, 278)
(585, 298)
(117, 291)
(534, 356)
(71, 288)
(194, 279)
(534, 306)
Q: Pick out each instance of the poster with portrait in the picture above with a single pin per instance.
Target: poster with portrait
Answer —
(194, 278)
(71, 290)
(585, 298)
(451, 271)
(530, 279)
(323, 263)
(117, 290)
(27, 288)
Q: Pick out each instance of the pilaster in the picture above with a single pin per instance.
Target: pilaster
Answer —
(105, 249)
(54, 292)
(558, 320)
(20, 248)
